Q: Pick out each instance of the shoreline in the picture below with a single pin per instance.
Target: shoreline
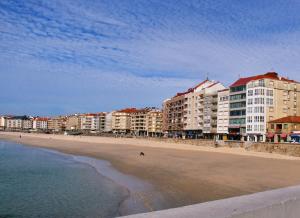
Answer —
(183, 176)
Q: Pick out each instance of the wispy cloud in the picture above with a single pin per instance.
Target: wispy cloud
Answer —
(101, 55)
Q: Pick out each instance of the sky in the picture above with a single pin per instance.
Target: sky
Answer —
(70, 56)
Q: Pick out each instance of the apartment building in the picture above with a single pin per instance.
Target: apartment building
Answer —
(237, 109)
(108, 122)
(89, 122)
(139, 122)
(154, 123)
(3, 122)
(102, 121)
(269, 97)
(18, 122)
(223, 114)
(121, 120)
(73, 122)
(193, 113)
(173, 110)
(40, 123)
(57, 124)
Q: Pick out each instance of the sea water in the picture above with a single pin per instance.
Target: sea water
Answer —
(38, 183)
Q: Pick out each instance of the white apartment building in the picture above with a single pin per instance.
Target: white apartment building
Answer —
(40, 123)
(90, 122)
(269, 97)
(108, 122)
(3, 122)
(200, 109)
(223, 114)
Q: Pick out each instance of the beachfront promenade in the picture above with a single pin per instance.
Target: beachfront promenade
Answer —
(279, 203)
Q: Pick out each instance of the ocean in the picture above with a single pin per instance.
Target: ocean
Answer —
(37, 182)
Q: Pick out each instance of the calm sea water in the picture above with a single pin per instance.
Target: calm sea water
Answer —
(39, 183)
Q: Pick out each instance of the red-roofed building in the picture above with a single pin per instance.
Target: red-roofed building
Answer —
(256, 100)
(193, 113)
(40, 123)
(282, 129)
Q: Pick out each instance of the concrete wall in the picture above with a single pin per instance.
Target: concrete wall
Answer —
(279, 148)
(279, 203)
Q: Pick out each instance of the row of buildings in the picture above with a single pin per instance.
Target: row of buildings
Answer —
(246, 110)
(146, 121)
(258, 108)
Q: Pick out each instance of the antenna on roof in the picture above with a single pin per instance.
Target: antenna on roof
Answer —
(239, 75)
(207, 76)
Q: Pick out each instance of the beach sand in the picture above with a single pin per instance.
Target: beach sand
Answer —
(184, 174)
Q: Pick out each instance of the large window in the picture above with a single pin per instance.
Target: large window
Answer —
(238, 105)
(238, 89)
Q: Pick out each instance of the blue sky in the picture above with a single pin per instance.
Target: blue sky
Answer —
(59, 57)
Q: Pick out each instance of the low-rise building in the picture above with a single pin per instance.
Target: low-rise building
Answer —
(282, 129)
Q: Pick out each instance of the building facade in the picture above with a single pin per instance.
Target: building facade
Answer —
(223, 114)
(193, 113)
(121, 120)
(269, 97)
(154, 123)
(284, 129)
(40, 123)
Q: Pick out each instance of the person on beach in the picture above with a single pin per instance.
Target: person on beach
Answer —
(20, 136)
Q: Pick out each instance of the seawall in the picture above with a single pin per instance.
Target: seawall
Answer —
(279, 203)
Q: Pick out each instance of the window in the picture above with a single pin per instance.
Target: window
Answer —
(272, 126)
(250, 101)
(285, 126)
(250, 92)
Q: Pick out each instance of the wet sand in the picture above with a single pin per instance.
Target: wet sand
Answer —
(183, 174)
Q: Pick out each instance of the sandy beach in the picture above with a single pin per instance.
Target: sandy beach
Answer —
(184, 174)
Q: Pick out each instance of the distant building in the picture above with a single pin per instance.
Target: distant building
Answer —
(223, 114)
(282, 129)
(121, 120)
(73, 122)
(57, 124)
(154, 123)
(17, 122)
(139, 122)
(40, 123)
(92, 122)
(3, 122)
(108, 122)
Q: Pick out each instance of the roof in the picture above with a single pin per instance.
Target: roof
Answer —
(289, 119)
(128, 110)
(193, 88)
(269, 75)
(41, 119)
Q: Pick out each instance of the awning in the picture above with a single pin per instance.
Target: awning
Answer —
(295, 135)
(283, 135)
(270, 135)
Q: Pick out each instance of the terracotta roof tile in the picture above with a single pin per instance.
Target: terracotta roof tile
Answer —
(289, 119)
